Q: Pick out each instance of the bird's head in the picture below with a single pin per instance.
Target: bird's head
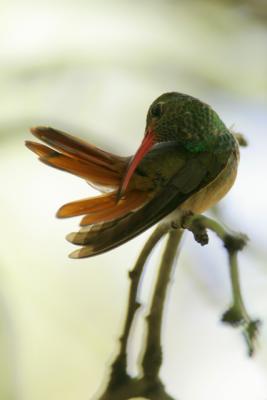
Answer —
(179, 118)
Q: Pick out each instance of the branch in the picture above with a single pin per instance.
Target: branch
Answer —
(153, 354)
(237, 314)
(121, 385)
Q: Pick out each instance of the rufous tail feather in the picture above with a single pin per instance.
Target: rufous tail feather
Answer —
(98, 167)
(103, 208)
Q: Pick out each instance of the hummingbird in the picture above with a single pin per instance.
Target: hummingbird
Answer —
(187, 160)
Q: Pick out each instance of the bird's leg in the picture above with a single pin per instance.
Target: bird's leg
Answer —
(237, 314)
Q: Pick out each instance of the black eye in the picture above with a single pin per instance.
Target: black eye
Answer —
(156, 110)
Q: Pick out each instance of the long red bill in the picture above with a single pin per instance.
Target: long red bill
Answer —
(146, 144)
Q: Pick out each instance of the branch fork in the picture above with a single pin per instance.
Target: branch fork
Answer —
(147, 384)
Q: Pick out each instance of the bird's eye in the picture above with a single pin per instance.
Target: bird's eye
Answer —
(156, 110)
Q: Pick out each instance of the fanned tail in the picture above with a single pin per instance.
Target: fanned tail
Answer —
(103, 208)
(76, 148)
(73, 155)
(96, 166)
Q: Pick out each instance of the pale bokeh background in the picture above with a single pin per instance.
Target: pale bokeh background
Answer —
(93, 68)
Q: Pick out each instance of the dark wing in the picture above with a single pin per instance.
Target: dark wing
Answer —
(198, 171)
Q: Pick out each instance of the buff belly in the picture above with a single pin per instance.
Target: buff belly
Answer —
(215, 191)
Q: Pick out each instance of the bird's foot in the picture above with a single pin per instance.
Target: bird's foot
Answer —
(196, 224)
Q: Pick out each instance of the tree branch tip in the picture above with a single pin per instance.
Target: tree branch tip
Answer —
(234, 243)
(253, 328)
(202, 238)
(233, 317)
(250, 334)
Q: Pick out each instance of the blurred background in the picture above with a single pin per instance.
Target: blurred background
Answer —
(92, 68)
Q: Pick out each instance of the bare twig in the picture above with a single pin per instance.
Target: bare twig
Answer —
(237, 314)
(153, 354)
(121, 385)
(135, 275)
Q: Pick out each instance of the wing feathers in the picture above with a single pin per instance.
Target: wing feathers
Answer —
(103, 237)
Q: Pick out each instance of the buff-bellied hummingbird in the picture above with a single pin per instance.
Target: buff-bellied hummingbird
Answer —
(187, 160)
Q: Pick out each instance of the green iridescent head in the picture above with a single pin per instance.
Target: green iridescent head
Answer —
(182, 118)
